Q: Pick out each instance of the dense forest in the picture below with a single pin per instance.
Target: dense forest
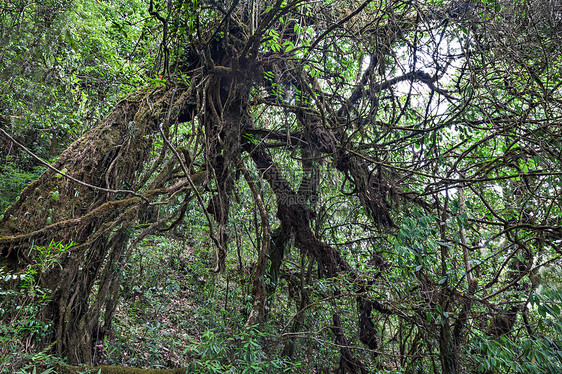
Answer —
(267, 186)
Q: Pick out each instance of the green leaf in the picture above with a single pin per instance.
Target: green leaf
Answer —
(60, 175)
(69, 39)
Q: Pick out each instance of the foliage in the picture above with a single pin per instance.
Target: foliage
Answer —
(64, 65)
(239, 353)
(171, 315)
(540, 354)
(21, 302)
(13, 182)
(300, 186)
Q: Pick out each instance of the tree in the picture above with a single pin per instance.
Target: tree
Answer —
(436, 124)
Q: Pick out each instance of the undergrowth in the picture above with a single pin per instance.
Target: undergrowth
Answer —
(21, 327)
(174, 312)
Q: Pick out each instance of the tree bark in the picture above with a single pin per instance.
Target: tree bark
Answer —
(95, 215)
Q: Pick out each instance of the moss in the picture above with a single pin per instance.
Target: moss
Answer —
(112, 154)
(104, 369)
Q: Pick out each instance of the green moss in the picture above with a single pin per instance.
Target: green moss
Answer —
(104, 369)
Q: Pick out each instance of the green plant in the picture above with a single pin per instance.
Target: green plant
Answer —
(21, 300)
(12, 181)
(238, 353)
(542, 353)
(49, 255)
(20, 323)
(34, 371)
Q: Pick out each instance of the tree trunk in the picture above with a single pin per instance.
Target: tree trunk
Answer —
(447, 350)
(95, 215)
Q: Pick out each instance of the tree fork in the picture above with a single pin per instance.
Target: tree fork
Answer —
(295, 215)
